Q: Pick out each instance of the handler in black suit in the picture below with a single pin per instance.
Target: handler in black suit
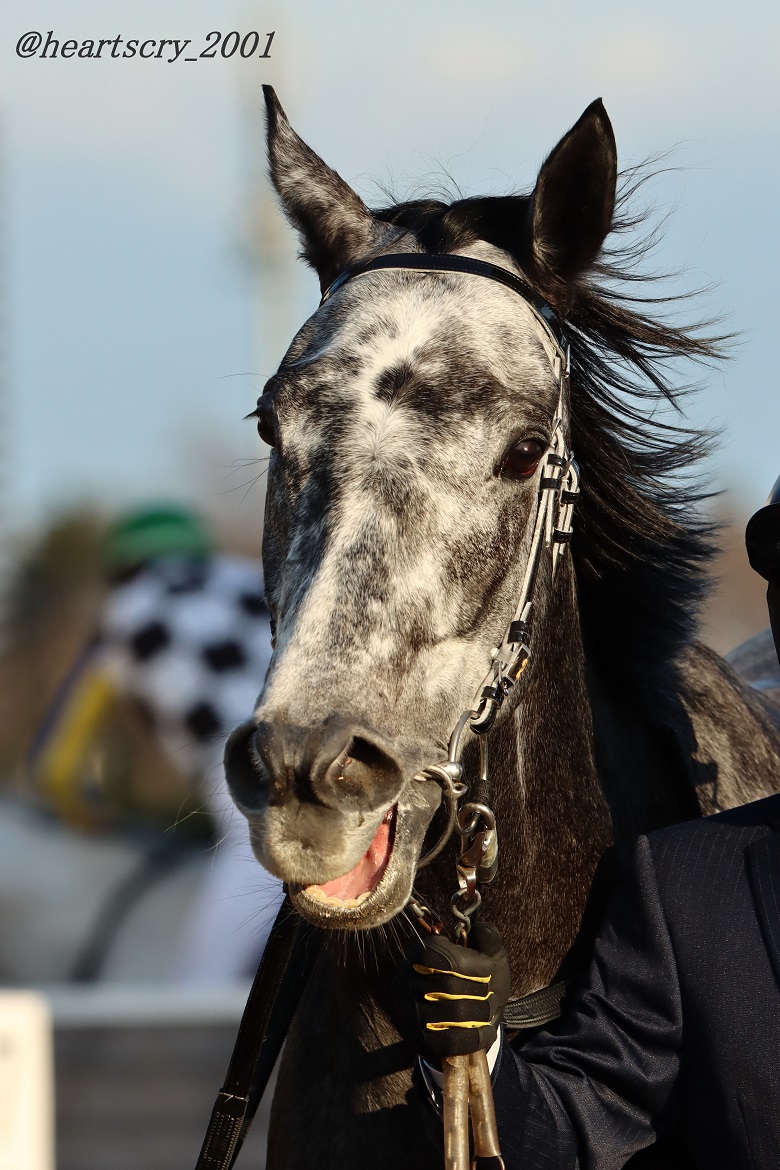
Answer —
(678, 1030)
(677, 1033)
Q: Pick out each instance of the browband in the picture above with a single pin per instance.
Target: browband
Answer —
(424, 262)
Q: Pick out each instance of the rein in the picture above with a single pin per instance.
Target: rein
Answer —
(275, 994)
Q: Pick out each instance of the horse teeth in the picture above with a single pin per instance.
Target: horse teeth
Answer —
(318, 895)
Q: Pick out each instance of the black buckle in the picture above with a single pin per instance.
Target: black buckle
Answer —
(518, 632)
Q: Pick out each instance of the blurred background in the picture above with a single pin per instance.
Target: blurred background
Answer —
(148, 287)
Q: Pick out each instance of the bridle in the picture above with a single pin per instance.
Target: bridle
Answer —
(550, 528)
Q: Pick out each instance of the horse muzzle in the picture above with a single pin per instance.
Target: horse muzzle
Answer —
(334, 813)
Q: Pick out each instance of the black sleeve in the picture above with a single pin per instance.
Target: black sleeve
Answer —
(600, 1084)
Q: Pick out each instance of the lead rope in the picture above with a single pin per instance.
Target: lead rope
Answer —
(467, 1089)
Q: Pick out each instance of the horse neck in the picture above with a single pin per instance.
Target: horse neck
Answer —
(644, 733)
(553, 820)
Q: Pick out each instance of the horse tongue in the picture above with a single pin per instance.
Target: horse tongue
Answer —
(368, 870)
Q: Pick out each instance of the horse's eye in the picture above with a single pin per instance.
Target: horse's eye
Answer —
(265, 427)
(522, 460)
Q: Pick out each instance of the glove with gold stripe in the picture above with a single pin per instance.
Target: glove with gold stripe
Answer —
(449, 999)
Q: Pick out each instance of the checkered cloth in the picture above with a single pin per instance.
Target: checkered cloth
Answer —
(190, 641)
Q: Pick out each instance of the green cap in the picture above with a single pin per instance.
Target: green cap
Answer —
(153, 532)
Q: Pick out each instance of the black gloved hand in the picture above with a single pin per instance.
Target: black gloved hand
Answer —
(449, 999)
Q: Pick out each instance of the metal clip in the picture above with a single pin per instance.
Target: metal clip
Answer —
(479, 848)
(481, 857)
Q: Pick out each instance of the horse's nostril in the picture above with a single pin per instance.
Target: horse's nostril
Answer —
(370, 754)
(272, 762)
(247, 778)
(365, 771)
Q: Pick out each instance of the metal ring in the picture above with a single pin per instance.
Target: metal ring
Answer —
(477, 810)
(455, 738)
(469, 829)
(451, 795)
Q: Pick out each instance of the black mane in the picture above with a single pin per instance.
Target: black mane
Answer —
(641, 551)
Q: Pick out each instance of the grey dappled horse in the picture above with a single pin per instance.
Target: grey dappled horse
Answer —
(409, 422)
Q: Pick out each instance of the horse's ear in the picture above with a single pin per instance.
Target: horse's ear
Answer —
(335, 226)
(574, 198)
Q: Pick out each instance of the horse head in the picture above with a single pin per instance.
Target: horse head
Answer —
(409, 423)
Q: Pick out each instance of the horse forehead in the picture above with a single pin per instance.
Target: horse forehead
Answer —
(416, 334)
(421, 316)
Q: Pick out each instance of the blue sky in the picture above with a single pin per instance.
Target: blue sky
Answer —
(133, 343)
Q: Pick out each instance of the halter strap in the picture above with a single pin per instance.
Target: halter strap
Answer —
(424, 262)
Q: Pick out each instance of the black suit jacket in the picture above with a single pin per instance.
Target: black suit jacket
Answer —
(677, 1033)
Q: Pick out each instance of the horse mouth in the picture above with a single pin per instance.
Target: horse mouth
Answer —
(357, 890)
